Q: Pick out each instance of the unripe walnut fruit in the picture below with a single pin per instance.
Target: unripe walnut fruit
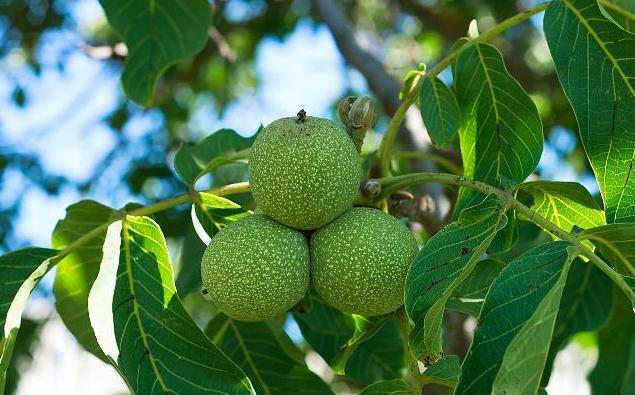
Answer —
(359, 262)
(304, 171)
(256, 269)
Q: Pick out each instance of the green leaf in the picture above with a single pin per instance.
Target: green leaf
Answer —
(621, 12)
(189, 277)
(441, 266)
(211, 213)
(222, 147)
(365, 328)
(259, 349)
(526, 355)
(20, 272)
(584, 306)
(501, 132)
(390, 387)
(327, 330)
(78, 270)
(379, 358)
(439, 110)
(445, 371)
(469, 296)
(614, 372)
(516, 323)
(616, 242)
(595, 62)
(157, 34)
(141, 324)
(567, 204)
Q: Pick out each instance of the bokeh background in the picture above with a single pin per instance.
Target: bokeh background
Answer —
(67, 132)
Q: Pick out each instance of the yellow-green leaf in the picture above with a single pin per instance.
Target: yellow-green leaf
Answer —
(595, 61)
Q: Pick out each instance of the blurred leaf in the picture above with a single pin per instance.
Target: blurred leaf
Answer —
(257, 348)
(211, 213)
(585, 306)
(501, 132)
(621, 11)
(219, 148)
(516, 322)
(390, 387)
(567, 204)
(441, 266)
(189, 277)
(445, 371)
(78, 270)
(157, 34)
(22, 355)
(141, 324)
(469, 296)
(439, 110)
(614, 372)
(601, 90)
(20, 272)
(616, 242)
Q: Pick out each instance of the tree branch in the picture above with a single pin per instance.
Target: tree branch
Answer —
(380, 82)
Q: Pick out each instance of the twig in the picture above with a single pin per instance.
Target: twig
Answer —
(411, 96)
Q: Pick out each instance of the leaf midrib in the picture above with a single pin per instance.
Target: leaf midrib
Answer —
(250, 361)
(135, 307)
(601, 44)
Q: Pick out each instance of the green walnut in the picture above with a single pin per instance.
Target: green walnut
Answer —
(256, 269)
(359, 262)
(304, 171)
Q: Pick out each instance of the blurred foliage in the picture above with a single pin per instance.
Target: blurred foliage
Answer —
(401, 33)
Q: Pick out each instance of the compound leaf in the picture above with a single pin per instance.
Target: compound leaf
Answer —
(515, 325)
(256, 347)
(141, 324)
(78, 270)
(439, 110)
(157, 34)
(441, 266)
(595, 61)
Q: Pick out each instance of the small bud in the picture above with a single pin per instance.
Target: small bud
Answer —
(301, 116)
(371, 189)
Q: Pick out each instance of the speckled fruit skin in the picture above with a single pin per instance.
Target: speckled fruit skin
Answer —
(304, 174)
(256, 269)
(359, 262)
